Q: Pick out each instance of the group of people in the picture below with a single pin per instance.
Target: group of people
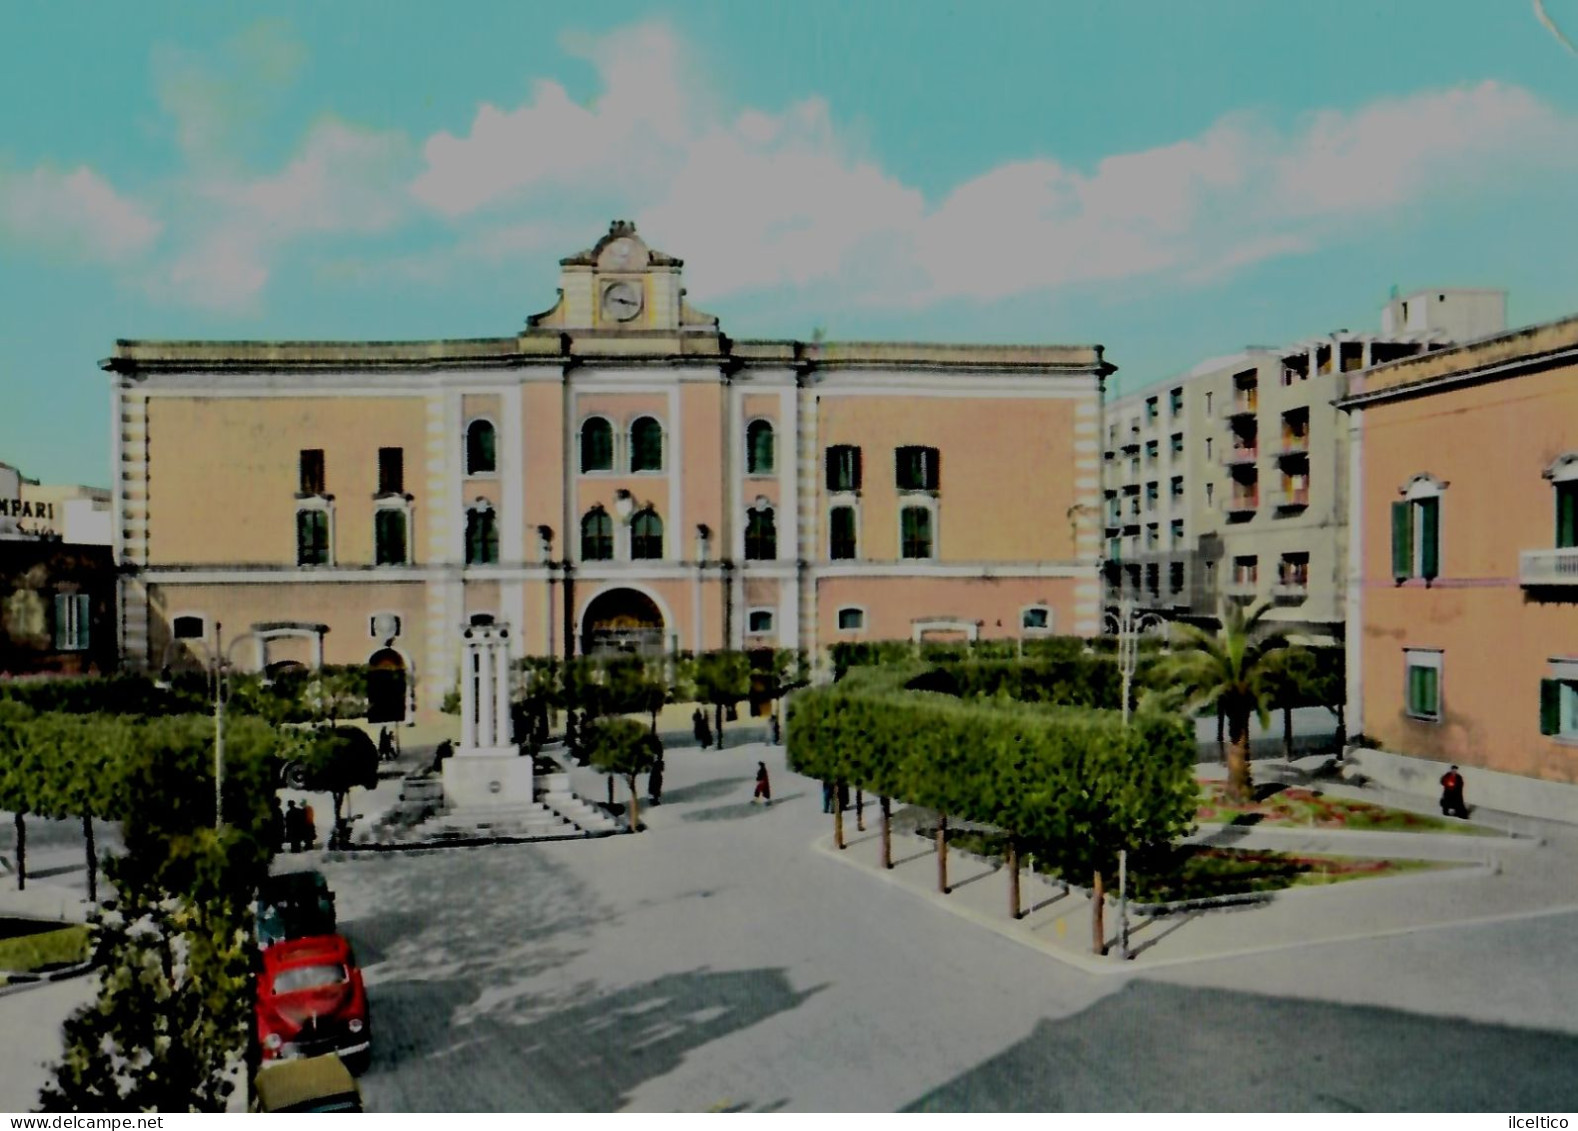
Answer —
(297, 827)
(702, 728)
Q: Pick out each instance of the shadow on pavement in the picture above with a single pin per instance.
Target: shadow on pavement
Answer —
(704, 790)
(437, 1047)
(1159, 1047)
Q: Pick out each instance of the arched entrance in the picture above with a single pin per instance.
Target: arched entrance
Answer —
(386, 690)
(622, 621)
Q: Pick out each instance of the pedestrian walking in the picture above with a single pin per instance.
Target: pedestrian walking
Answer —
(764, 788)
(386, 749)
(293, 825)
(777, 730)
(698, 726)
(1452, 804)
(655, 782)
(827, 797)
(309, 825)
(276, 824)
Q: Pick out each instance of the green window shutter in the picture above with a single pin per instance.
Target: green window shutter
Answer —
(1566, 515)
(1550, 706)
(1429, 538)
(1430, 692)
(1402, 541)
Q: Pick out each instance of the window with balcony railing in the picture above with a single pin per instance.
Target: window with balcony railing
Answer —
(1293, 572)
(1245, 572)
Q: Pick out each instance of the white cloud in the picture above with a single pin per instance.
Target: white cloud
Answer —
(77, 212)
(759, 199)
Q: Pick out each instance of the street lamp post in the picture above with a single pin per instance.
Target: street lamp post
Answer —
(1128, 624)
(221, 662)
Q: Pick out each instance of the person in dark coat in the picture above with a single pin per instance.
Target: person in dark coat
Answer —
(777, 730)
(827, 797)
(655, 782)
(764, 788)
(309, 825)
(698, 726)
(386, 749)
(1452, 804)
(293, 826)
(843, 796)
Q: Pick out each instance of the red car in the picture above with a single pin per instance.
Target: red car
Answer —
(311, 1001)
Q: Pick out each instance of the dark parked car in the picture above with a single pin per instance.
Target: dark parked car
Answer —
(294, 905)
(334, 758)
(311, 1002)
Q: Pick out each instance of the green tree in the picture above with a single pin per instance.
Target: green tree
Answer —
(626, 748)
(1234, 670)
(175, 992)
(78, 763)
(18, 776)
(335, 760)
(723, 678)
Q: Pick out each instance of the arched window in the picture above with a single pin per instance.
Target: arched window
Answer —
(597, 536)
(481, 448)
(597, 445)
(646, 535)
(761, 535)
(482, 536)
(646, 445)
(759, 448)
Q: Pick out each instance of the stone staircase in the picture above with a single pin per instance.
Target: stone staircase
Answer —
(515, 820)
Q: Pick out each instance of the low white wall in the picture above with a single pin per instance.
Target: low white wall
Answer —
(1511, 793)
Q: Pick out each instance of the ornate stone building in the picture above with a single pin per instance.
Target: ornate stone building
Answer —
(620, 475)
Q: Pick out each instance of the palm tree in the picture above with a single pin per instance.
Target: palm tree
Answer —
(1236, 670)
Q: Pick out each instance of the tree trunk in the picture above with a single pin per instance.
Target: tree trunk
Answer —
(1239, 784)
(654, 722)
(860, 810)
(1013, 878)
(1098, 915)
(719, 717)
(635, 813)
(838, 820)
(1221, 719)
(93, 858)
(887, 833)
(21, 852)
(942, 853)
(1287, 733)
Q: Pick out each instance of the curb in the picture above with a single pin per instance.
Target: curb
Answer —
(462, 842)
(28, 980)
(1113, 965)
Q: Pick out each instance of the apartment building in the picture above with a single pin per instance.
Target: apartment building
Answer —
(1463, 567)
(1250, 478)
(619, 476)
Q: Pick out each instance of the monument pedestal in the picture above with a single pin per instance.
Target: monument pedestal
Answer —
(488, 779)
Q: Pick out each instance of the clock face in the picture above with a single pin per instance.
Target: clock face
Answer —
(621, 301)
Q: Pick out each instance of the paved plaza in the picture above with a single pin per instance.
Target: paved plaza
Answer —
(728, 959)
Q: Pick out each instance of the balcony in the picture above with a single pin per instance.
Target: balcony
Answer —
(1291, 587)
(1290, 498)
(1242, 405)
(1548, 567)
(1240, 455)
(1239, 505)
(1293, 445)
(1240, 586)
(1132, 444)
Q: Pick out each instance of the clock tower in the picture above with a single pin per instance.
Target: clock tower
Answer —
(620, 285)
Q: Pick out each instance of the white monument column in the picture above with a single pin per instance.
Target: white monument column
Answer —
(468, 694)
(487, 769)
(484, 723)
(501, 694)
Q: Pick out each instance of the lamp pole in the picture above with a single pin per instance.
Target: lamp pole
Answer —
(221, 661)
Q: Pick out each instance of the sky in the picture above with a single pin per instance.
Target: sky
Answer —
(1171, 180)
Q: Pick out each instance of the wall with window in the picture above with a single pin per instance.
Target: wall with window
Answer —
(1011, 507)
(215, 460)
(893, 604)
(58, 612)
(347, 608)
(1486, 449)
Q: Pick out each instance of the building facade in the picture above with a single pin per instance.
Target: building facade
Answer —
(621, 475)
(1463, 568)
(1230, 483)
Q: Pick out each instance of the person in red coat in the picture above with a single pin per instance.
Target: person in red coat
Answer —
(764, 788)
(1452, 804)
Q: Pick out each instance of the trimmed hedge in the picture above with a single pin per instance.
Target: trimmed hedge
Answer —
(1072, 782)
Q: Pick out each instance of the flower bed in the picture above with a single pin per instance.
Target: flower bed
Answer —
(27, 946)
(1306, 808)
